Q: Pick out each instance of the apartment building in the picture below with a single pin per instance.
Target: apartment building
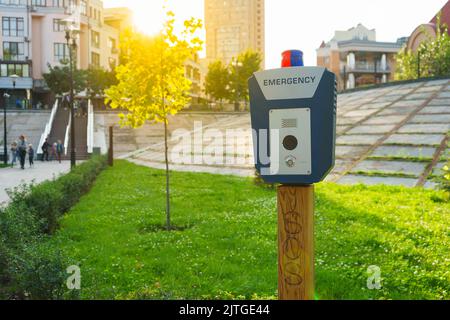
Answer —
(233, 26)
(358, 59)
(32, 37)
(196, 72)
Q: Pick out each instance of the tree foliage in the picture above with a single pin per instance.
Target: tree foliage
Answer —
(151, 79)
(95, 80)
(152, 83)
(98, 80)
(230, 82)
(432, 58)
(248, 63)
(217, 83)
(58, 79)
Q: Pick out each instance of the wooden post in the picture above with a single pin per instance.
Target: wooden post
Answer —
(111, 147)
(296, 242)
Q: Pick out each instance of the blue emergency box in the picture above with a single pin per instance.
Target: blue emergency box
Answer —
(293, 114)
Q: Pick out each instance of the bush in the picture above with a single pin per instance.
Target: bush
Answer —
(28, 270)
(38, 273)
(45, 202)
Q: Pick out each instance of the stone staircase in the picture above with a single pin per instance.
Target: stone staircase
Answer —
(81, 139)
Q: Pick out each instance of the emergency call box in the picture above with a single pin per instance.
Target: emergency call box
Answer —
(293, 113)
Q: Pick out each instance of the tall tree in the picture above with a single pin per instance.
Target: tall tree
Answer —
(217, 82)
(58, 79)
(241, 69)
(151, 81)
(98, 80)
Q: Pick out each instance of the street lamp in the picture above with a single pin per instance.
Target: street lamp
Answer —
(5, 148)
(5, 133)
(71, 45)
(236, 64)
(14, 78)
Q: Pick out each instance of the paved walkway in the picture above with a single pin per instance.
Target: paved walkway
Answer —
(12, 177)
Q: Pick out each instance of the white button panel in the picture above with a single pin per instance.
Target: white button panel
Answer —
(290, 142)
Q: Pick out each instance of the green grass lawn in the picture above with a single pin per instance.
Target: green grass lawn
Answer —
(226, 246)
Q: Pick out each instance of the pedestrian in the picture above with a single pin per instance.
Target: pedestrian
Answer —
(13, 154)
(22, 148)
(31, 155)
(45, 147)
(53, 152)
(59, 150)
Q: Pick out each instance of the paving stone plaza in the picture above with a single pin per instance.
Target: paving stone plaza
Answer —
(395, 135)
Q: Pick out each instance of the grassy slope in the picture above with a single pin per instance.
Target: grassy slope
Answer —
(229, 247)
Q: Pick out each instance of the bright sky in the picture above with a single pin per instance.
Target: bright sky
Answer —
(301, 24)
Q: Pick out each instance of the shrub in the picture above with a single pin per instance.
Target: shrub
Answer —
(38, 273)
(28, 270)
(45, 201)
(18, 226)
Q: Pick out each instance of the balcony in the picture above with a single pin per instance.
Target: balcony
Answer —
(366, 67)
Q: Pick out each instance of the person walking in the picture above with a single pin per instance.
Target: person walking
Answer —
(45, 147)
(59, 150)
(31, 155)
(22, 148)
(53, 154)
(13, 154)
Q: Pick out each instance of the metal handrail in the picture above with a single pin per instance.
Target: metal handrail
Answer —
(66, 138)
(90, 127)
(48, 127)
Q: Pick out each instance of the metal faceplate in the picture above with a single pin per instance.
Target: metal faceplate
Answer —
(290, 141)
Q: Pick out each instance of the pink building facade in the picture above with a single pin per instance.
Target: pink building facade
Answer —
(32, 37)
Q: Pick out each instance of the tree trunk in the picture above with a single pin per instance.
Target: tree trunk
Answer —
(166, 152)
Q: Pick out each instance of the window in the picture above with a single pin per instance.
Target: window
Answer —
(95, 59)
(8, 69)
(112, 44)
(95, 39)
(83, 7)
(60, 52)
(13, 2)
(12, 27)
(13, 51)
(58, 3)
(39, 3)
(58, 25)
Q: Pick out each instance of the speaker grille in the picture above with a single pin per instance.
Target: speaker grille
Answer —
(289, 123)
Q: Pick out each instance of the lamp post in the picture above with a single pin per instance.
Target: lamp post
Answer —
(71, 46)
(5, 133)
(5, 148)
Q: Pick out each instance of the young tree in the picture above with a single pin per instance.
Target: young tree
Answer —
(241, 69)
(217, 83)
(151, 81)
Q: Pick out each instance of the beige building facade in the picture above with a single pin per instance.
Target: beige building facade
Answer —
(232, 27)
(358, 59)
(33, 37)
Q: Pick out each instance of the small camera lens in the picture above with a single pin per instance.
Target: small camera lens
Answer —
(290, 143)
